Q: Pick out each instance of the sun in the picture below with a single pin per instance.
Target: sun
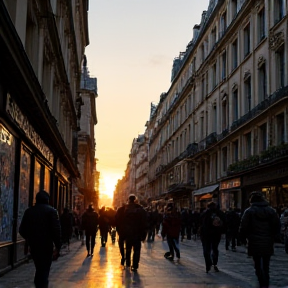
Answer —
(107, 184)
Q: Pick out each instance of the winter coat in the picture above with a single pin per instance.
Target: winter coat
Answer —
(90, 220)
(40, 227)
(207, 229)
(232, 221)
(66, 221)
(119, 220)
(259, 225)
(171, 225)
(135, 222)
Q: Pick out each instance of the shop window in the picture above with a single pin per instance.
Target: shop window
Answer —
(47, 180)
(7, 172)
(24, 184)
(37, 177)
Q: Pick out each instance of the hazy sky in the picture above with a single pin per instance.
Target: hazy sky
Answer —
(131, 51)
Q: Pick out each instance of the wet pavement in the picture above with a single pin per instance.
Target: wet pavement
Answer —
(73, 269)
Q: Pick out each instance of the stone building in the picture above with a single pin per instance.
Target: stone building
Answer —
(42, 44)
(220, 131)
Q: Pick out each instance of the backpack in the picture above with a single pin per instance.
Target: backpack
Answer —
(216, 220)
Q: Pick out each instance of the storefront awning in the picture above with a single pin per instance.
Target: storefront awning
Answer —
(206, 196)
(205, 190)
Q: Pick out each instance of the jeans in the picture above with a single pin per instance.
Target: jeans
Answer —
(121, 246)
(136, 245)
(210, 250)
(173, 244)
(42, 262)
(90, 236)
(261, 265)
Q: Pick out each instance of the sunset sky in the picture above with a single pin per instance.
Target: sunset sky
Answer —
(131, 51)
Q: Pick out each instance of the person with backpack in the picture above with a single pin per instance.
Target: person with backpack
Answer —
(134, 231)
(212, 223)
(260, 225)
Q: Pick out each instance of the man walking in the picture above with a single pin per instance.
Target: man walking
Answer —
(90, 225)
(211, 229)
(40, 227)
(119, 221)
(134, 231)
(259, 225)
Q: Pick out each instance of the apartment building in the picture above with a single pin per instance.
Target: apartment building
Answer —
(42, 45)
(220, 132)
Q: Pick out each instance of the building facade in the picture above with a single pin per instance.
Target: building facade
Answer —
(41, 49)
(221, 130)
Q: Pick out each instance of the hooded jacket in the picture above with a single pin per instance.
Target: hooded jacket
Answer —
(259, 225)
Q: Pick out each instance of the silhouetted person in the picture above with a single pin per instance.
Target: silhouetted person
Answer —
(90, 225)
(66, 221)
(40, 227)
(134, 231)
(104, 226)
(259, 225)
(119, 221)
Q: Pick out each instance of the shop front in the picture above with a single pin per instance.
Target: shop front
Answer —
(272, 180)
(230, 194)
(204, 195)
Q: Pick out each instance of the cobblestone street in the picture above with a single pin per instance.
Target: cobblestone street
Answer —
(73, 269)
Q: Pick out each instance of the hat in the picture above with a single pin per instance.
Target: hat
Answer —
(132, 198)
(256, 196)
(42, 197)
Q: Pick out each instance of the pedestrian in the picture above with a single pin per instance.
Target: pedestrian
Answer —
(103, 226)
(212, 223)
(260, 225)
(40, 227)
(134, 231)
(90, 225)
(171, 229)
(66, 221)
(195, 224)
(119, 221)
(152, 216)
(184, 218)
(232, 227)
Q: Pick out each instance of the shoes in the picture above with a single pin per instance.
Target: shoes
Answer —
(88, 255)
(216, 268)
(170, 258)
(133, 269)
(208, 268)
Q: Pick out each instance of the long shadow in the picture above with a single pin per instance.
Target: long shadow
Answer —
(131, 279)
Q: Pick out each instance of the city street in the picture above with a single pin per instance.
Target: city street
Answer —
(73, 269)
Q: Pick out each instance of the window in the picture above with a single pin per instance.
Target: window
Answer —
(247, 97)
(263, 137)
(203, 52)
(214, 120)
(278, 10)
(223, 23)
(202, 127)
(214, 73)
(202, 89)
(248, 145)
(280, 67)
(280, 136)
(235, 151)
(233, 8)
(223, 66)
(37, 177)
(247, 40)
(234, 54)
(213, 37)
(224, 113)
(235, 104)
(261, 25)
(224, 159)
(262, 82)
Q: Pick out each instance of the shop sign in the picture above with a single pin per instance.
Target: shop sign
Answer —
(232, 183)
(266, 175)
(23, 123)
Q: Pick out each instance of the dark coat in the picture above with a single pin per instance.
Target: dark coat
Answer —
(135, 222)
(66, 221)
(259, 225)
(207, 230)
(172, 225)
(119, 220)
(40, 227)
(90, 220)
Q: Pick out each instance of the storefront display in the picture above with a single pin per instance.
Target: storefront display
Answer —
(7, 172)
(23, 203)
